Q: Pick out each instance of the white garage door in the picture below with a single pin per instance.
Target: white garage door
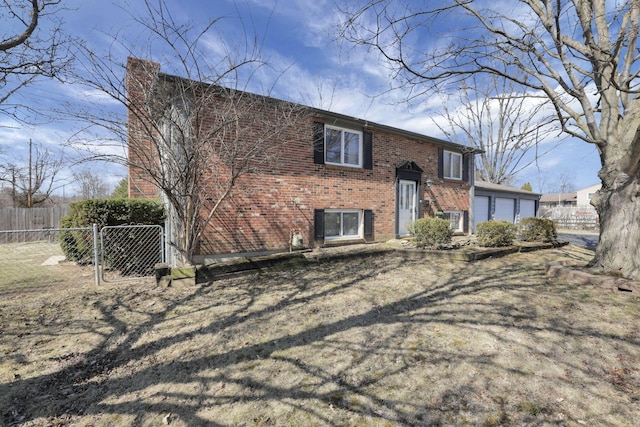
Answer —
(480, 209)
(505, 209)
(527, 208)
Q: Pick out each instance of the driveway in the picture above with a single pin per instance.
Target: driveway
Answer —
(587, 239)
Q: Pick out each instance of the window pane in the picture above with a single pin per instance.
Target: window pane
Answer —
(333, 144)
(351, 148)
(332, 224)
(454, 219)
(456, 166)
(446, 164)
(452, 165)
(351, 223)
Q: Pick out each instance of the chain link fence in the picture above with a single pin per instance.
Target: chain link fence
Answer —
(84, 255)
(130, 251)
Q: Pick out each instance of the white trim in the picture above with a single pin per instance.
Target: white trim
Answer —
(403, 202)
(360, 234)
(460, 227)
(444, 166)
(342, 133)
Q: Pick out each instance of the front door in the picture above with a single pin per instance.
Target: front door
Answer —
(406, 206)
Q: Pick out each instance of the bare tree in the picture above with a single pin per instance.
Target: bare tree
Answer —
(187, 139)
(27, 50)
(34, 183)
(507, 125)
(92, 186)
(582, 54)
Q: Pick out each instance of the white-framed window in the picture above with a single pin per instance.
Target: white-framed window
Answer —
(452, 165)
(342, 224)
(342, 146)
(455, 220)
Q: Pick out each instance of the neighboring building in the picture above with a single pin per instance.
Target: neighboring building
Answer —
(390, 178)
(503, 202)
(552, 200)
(571, 210)
(584, 195)
(579, 198)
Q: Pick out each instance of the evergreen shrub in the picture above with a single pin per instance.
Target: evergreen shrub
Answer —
(538, 230)
(77, 244)
(431, 232)
(495, 233)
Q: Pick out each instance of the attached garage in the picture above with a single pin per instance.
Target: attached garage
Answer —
(527, 208)
(505, 209)
(502, 202)
(481, 208)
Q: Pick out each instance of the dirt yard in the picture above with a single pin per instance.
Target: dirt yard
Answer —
(376, 341)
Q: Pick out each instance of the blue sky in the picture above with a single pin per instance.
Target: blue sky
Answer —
(306, 64)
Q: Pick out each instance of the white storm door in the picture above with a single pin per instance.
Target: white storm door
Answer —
(406, 206)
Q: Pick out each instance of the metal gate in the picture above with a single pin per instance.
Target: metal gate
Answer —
(130, 251)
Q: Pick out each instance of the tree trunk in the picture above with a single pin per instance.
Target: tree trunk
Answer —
(618, 205)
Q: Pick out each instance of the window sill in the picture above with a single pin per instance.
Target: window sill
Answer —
(342, 239)
(343, 167)
(343, 242)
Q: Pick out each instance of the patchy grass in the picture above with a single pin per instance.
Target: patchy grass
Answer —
(378, 341)
(34, 265)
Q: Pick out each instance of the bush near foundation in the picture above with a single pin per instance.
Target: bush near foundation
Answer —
(431, 232)
(538, 230)
(77, 244)
(495, 233)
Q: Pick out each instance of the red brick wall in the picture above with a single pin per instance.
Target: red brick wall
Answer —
(142, 155)
(265, 207)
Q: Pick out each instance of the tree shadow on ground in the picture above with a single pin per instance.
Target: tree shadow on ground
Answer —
(379, 339)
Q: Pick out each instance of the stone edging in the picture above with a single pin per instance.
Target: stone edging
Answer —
(567, 271)
(299, 259)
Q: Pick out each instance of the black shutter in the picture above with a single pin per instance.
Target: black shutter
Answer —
(465, 221)
(465, 167)
(367, 150)
(440, 163)
(318, 143)
(318, 223)
(368, 223)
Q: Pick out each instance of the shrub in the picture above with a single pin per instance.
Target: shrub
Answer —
(77, 244)
(495, 233)
(431, 232)
(538, 230)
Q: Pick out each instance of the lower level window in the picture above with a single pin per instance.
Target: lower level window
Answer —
(342, 224)
(455, 219)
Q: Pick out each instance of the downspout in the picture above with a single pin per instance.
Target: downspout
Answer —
(472, 193)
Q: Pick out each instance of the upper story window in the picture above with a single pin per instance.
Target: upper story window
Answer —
(451, 165)
(343, 146)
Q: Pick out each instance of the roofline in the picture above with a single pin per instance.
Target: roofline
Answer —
(401, 132)
(490, 186)
(346, 118)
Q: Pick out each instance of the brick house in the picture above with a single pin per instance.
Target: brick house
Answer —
(340, 180)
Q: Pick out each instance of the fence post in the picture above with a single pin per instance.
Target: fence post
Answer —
(96, 255)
